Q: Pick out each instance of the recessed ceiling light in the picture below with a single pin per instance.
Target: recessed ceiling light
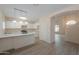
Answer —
(23, 18)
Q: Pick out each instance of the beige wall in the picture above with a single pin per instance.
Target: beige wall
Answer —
(72, 32)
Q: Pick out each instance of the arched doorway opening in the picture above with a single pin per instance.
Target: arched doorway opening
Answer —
(64, 24)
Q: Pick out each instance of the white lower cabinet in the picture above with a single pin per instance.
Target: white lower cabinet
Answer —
(6, 44)
(23, 41)
(16, 42)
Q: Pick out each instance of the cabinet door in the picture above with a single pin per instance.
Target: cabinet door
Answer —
(24, 40)
(6, 44)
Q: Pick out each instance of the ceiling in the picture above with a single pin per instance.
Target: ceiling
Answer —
(33, 12)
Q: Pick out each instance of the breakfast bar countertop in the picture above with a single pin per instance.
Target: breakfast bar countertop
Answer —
(13, 35)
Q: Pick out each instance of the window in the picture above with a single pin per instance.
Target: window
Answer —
(56, 28)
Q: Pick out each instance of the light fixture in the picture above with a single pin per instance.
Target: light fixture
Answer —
(71, 22)
(14, 21)
(23, 18)
(26, 23)
(21, 22)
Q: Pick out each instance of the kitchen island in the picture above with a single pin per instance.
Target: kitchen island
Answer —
(15, 41)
